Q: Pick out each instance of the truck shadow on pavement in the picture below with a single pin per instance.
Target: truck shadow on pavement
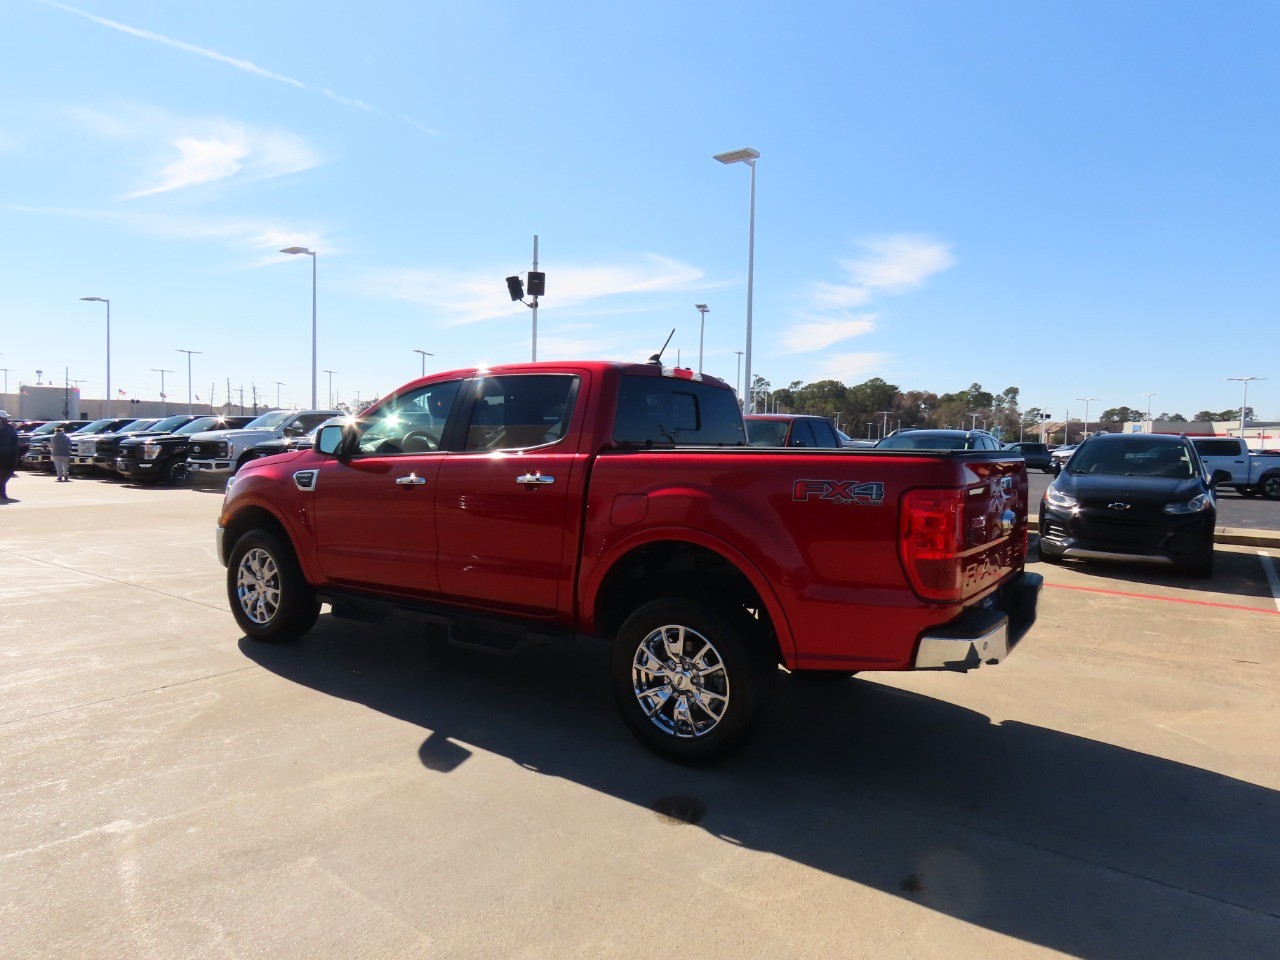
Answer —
(1072, 844)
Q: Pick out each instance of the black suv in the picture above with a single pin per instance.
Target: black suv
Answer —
(1036, 455)
(163, 456)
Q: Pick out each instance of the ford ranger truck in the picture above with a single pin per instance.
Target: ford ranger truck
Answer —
(620, 501)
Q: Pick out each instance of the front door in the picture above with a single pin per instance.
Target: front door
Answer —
(374, 507)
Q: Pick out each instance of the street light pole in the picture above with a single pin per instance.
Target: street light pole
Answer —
(739, 353)
(748, 156)
(330, 373)
(107, 301)
(425, 354)
(1244, 402)
(1086, 401)
(312, 255)
(164, 398)
(1148, 396)
(702, 329)
(279, 384)
(191, 409)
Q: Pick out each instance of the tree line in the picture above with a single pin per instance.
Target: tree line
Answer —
(874, 407)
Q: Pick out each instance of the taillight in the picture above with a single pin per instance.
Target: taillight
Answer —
(931, 535)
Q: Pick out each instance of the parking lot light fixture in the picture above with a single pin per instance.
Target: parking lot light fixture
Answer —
(425, 354)
(702, 329)
(1244, 402)
(1148, 396)
(330, 373)
(749, 156)
(107, 301)
(1086, 401)
(191, 409)
(164, 397)
(312, 255)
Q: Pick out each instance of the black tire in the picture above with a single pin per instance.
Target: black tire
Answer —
(1270, 486)
(176, 472)
(1247, 491)
(269, 597)
(698, 704)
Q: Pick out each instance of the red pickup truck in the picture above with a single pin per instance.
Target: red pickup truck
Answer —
(621, 501)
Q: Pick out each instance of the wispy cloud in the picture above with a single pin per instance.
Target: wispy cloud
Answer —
(227, 149)
(474, 297)
(888, 265)
(247, 66)
(851, 367)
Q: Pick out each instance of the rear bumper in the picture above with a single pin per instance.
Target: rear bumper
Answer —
(984, 634)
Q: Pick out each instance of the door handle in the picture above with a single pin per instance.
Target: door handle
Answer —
(536, 479)
(412, 480)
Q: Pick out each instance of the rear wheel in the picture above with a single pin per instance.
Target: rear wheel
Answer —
(692, 680)
(270, 598)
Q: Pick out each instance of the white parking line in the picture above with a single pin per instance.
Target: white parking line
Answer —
(1269, 566)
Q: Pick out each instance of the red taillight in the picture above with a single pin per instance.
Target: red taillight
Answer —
(931, 535)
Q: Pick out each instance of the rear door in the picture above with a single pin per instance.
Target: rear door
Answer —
(507, 501)
(374, 509)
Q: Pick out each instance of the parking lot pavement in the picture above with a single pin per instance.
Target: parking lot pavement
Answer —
(171, 789)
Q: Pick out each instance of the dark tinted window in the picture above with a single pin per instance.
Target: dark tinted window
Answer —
(669, 411)
(766, 433)
(802, 434)
(1217, 448)
(513, 412)
(1134, 457)
(824, 435)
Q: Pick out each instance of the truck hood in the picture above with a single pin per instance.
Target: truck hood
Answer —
(235, 435)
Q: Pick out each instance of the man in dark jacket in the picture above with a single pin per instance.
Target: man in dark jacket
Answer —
(8, 454)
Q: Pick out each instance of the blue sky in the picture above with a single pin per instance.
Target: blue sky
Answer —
(1077, 199)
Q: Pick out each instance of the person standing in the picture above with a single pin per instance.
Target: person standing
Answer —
(60, 453)
(8, 454)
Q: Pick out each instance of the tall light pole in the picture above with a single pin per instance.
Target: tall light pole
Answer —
(425, 354)
(748, 156)
(164, 398)
(1148, 396)
(312, 255)
(279, 384)
(702, 329)
(739, 353)
(1086, 401)
(191, 409)
(6, 379)
(107, 411)
(330, 373)
(1245, 400)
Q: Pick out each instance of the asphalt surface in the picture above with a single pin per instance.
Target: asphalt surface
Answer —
(169, 788)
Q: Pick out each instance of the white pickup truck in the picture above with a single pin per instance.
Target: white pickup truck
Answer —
(222, 452)
(1251, 473)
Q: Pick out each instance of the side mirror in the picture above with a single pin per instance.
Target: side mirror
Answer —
(1219, 476)
(329, 440)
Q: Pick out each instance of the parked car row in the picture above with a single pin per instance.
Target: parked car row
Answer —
(174, 449)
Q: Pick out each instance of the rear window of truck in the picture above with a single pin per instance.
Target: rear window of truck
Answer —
(665, 411)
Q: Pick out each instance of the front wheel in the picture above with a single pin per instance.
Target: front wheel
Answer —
(1270, 486)
(270, 598)
(176, 472)
(692, 680)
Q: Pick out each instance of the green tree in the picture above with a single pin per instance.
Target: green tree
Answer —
(1121, 415)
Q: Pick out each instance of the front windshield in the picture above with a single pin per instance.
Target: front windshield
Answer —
(199, 425)
(136, 425)
(270, 421)
(1133, 457)
(98, 426)
(169, 424)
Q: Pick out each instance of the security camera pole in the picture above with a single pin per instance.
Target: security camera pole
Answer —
(537, 288)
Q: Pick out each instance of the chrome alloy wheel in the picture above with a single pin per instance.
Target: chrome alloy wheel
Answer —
(680, 681)
(258, 585)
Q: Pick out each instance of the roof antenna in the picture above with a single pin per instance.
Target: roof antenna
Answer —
(657, 357)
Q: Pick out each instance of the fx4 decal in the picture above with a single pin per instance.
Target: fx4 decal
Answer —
(840, 491)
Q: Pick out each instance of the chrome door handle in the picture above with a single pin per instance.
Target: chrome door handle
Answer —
(412, 480)
(535, 480)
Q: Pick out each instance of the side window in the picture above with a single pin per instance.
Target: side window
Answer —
(411, 422)
(1217, 448)
(514, 412)
(801, 434)
(308, 422)
(824, 435)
